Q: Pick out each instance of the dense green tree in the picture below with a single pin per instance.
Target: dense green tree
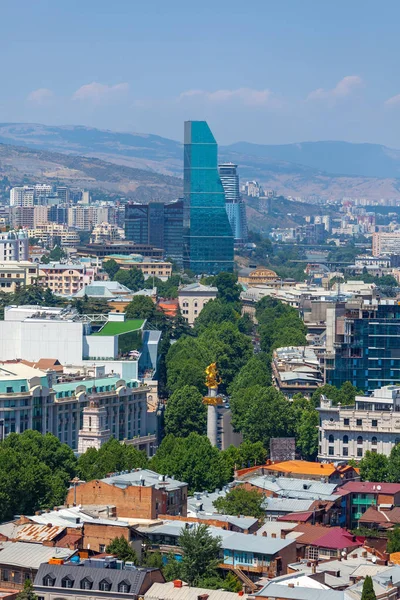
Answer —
(192, 459)
(153, 560)
(368, 592)
(229, 289)
(279, 325)
(122, 549)
(200, 553)
(173, 568)
(345, 395)
(132, 278)
(246, 324)
(306, 433)
(240, 501)
(110, 458)
(185, 412)
(141, 307)
(111, 267)
(215, 582)
(394, 464)
(215, 312)
(393, 538)
(245, 455)
(374, 467)
(256, 371)
(27, 592)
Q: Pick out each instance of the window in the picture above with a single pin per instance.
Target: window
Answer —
(374, 422)
(102, 547)
(345, 451)
(124, 587)
(49, 580)
(105, 585)
(67, 582)
(6, 575)
(345, 439)
(374, 441)
(359, 422)
(359, 452)
(346, 421)
(360, 439)
(331, 439)
(9, 390)
(86, 583)
(330, 450)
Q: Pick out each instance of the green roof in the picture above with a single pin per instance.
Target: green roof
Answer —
(65, 390)
(119, 327)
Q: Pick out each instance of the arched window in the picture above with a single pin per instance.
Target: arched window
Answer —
(49, 580)
(86, 583)
(374, 441)
(331, 439)
(345, 439)
(360, 439)
(105, 585)
(124, 587)
(67, 582)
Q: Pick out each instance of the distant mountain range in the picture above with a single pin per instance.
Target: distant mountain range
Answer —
(327, 169)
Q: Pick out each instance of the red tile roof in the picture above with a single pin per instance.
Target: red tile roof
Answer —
(338, 539)
(300, 517)
(385, 518)
(362, 487)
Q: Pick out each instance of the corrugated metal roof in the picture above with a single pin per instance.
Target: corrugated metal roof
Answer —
(25, 554)
(167, 591)
(274, 590)
(38, 533)
(289, 505)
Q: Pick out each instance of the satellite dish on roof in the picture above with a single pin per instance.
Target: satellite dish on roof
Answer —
(373, 559)
(378, 487)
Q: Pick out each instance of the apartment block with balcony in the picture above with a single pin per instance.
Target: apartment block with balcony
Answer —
(361, 495)
(65, 279)
(14, 274)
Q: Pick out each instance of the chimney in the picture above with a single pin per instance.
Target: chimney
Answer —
(202, 597)
(241, 593)
(264, 534)
(291, 585)
(177, 583)
(273, 535)
(283, 535)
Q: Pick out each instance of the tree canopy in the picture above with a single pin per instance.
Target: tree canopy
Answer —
(110, 458)
(185, 412)
(200, 553)
(140, 307)
(368, 589)
(240, 501)
(122, 550)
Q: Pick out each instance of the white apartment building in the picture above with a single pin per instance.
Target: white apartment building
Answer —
(22, 196)
(14, 245)
(386, 243)
(86, 217)
(106, 232)
(46, 232)
(373, 423)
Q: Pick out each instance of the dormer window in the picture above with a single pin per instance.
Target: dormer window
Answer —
(105, 585)
(86, 583)
(67, 582)
(124, 587)
(49, 580)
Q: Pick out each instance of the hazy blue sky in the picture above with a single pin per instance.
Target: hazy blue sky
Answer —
(257, 70)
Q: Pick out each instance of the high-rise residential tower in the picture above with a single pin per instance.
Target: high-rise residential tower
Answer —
(208, 238)
(235, 207)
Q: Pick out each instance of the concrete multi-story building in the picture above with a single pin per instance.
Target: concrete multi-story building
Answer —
(48, 233)
(373, 423)
(106, 232)
(192, 299)
(296, 370)
(15, 274)
(22, 196)
(66, 279)
(22, 216)
(386, 242)
(85, 217)
(14, 245)
(122, 247)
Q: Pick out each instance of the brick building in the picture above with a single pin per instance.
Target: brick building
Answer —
(140, 494)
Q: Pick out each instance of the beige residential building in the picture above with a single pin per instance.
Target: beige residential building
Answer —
(16, 273)
(40, 215)
(149, 267)
(65, 279)
(106, 232)
(46, 232)
(192, 299)
(386, 243)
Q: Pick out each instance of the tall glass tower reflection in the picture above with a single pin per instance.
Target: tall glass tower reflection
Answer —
(208, 237)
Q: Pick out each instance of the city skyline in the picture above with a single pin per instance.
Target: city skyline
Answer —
(263, 73)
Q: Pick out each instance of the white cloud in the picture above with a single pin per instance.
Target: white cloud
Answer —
(40, 96)
(98, 92)
(393, 101)
(345, 87)
(247, 96)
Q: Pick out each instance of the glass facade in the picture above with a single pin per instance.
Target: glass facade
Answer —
(137, 223)
(156, 224)
(208, 238)
(173, 231)
(369, 355)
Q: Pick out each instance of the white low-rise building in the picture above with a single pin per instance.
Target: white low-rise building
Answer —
(192, 299)
(373, 423)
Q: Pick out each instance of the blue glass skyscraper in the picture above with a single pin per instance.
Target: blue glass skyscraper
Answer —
(208, 238)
